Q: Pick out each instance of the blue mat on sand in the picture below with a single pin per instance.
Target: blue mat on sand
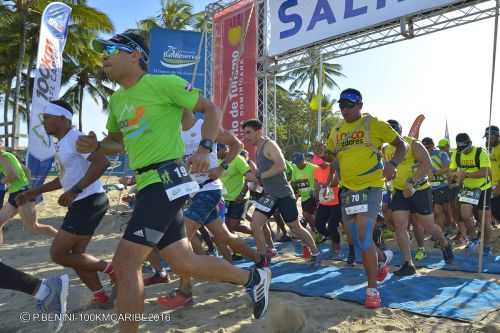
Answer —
(463, 262)
(455, 298)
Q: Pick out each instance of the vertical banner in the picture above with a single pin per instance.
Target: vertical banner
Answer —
(177, 52)
(49, 62)
(235, 66)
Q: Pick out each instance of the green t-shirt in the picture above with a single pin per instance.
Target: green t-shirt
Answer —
(149, 115)
(22, 179)
(233, 178)
(288, 170)
(469, 164)
(303, 179)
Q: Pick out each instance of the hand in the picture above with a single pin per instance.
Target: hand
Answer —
(26, 196)
(460, 175)
(389, 171)
(67, 198)
(215, 173)
(252, 177)
(199, 161)
(408, 192)
(87, 143)
(128, 198)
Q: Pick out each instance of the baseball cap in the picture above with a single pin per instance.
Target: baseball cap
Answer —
(298, 157)
(351, 95)
(443, 143)
(492, 130)
(463, 141)
(427, 141)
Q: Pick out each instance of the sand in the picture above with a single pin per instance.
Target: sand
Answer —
(218, 307)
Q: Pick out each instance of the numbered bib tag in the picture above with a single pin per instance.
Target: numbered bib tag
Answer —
(355, 202)
(176, 180)
(470, 196)
(326, 194)
(265, 203)
(302, 185)
(436, 184)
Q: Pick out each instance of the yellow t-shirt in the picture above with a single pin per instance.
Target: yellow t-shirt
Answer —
(495, 164)
(468, 164)
(359, 159)
(407, 168)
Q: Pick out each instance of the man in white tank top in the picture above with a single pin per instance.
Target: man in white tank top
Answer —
(204, 210)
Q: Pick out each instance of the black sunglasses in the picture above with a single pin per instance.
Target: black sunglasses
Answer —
(347, 104)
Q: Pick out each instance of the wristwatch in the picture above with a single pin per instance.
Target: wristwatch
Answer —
(224, 165)
(207, 144)
(76, 189)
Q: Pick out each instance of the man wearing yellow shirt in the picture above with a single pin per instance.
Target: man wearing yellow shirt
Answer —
(494, 148)
(471, 166)
(412, 193)
(355, 143)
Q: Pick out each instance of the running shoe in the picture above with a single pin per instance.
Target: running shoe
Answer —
(57, 299)
(175, 300)
(383, 268)
(372, 300)
(156, 279)
(405, 270)
(100, 299)
(448, 255)
(420, 254)
(258, 290)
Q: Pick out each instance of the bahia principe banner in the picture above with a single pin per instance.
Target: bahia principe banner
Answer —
(176, 52)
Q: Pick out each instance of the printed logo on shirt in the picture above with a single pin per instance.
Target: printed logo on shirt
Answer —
(355, 138)
(132, 122)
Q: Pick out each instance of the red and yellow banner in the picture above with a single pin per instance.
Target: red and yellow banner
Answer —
(235, 61)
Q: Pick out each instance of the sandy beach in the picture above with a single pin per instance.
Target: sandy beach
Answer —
(218, 307)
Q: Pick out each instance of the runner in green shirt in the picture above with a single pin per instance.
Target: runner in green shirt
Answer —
(145, 120)
(17, 180)
(303, 185)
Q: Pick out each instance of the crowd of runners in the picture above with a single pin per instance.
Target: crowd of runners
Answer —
(194, 183)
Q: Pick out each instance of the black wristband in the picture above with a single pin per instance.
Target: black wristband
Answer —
(207, 144)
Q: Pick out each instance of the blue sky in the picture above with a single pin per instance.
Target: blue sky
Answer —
(444, 75)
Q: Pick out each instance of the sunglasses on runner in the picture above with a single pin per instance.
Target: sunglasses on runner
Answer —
(111, 50)
(347, 104)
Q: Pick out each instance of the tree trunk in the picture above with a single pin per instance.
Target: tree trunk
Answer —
(28, 90)
(6, 112)
(19, 69)
(80, 106)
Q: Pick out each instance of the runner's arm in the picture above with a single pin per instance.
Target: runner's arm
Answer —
(10, 172)
(98, 165)
(110, 145)
(273, 153)
(401, 149)
(53, 185)
(482, 173)
(235, 145)
(212, 120)
(424, 162)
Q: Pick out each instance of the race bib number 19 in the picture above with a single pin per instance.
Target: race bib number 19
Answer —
(177, 181)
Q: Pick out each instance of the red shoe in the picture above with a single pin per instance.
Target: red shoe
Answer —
(156, 279)
(175, 300)
(100, 298)
(372, 300)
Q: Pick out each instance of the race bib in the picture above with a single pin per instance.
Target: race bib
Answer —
(265, 203)
(470, 196)
(436, 184)
(355, 202)
(326, 194)
(302, 185)
(176, 180)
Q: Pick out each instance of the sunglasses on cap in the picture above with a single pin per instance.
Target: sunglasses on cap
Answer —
(344, 104)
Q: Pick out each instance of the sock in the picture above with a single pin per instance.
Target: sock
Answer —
(43, 291)
(99, 292)
(163, 273)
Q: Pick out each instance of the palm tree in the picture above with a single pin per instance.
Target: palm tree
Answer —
(22, 22)
(309, 74)
(174, 14)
